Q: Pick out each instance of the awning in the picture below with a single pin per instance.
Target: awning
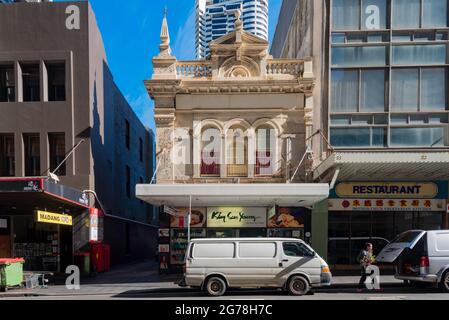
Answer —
(21, 195)
(256, 195)
(357, 166)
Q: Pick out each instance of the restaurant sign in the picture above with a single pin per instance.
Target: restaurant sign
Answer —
(236, 217)
(393, 190)
(54, 218)
(386, 205)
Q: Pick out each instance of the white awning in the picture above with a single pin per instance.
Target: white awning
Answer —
(256, 195)
(426, 165)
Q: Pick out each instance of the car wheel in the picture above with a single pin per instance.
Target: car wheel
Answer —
(298, 286)
(216, 287)
(445, 282)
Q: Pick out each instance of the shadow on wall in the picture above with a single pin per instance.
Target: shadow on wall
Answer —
(129, 241)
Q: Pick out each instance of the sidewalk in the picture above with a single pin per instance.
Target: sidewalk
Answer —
(143, 277)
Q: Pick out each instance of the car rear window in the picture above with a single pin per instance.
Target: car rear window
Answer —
(407, 237)
(257, 250)
(214, 250)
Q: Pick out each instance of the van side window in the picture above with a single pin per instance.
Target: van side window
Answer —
(296, 249)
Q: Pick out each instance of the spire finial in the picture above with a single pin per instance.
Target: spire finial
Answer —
(164, 47)
(238, 22)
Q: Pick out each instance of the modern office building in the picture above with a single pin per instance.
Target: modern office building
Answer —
(230, 136)
(57, 95)
(382, 122)
(216, 18)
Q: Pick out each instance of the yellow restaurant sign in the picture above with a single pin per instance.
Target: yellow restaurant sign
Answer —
(410, 190)
(54, 218)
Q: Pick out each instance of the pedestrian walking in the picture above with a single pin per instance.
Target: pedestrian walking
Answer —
(365, 259)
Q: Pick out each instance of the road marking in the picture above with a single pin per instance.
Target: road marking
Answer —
(387, 298)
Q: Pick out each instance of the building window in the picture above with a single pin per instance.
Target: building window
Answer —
(127, 134)
(56, 81)
(359, 56)
(359, 14)
(32, 154)
(210, 152)
(237, 152)
(7, 83)
(358, 137)
(140, 149)
(419, 54)
(7, 155)
(57, 152)
(266, 142)
(128, 181)
(417, 89)
(31, 82)
(419, 13)
(419, 137)
(358, 90)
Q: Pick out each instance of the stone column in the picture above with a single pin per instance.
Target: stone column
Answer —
(164, 144)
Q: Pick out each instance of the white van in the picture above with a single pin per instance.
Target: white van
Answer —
(215, 265)
(420, 257)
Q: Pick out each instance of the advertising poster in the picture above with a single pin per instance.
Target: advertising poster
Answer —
(287, 218)
(180, 218)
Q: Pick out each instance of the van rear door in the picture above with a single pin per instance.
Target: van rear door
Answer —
(405, 240)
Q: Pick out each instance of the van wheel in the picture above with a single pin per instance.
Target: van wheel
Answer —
(445, 282)
(216, 287)
(298, 286)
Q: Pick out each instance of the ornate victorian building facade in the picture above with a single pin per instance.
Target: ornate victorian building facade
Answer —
(241, 89)
(232, 145)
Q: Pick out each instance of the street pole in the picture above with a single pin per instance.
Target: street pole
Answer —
(189, 219)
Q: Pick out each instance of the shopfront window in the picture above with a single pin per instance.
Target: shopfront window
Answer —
(350, 230)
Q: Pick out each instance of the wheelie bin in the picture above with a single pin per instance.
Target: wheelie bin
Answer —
(11, 273)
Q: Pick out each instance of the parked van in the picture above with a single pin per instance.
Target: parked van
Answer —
(214, 265)
(420, 256)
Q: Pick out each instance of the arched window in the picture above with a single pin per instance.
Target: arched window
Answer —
(210, 152)
(265, 150)
(237, 152)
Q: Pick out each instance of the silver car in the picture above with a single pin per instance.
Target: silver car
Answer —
(420, 257)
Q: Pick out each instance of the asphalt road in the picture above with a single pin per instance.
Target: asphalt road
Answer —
(393, 293)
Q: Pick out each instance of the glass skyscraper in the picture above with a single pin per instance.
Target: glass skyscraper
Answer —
(215, 18)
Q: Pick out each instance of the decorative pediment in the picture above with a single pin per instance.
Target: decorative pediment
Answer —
(232, 39)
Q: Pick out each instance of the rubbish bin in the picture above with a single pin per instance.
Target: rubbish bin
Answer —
(11, 273)
(82, 261)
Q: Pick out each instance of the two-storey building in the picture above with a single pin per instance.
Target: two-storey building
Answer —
(231, 145)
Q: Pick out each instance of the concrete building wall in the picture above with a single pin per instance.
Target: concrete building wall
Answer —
(299, 33)
(94, 110)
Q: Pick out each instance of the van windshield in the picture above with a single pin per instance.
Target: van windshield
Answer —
(407, 237)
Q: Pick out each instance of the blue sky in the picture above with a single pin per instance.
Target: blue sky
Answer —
(131, 31)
